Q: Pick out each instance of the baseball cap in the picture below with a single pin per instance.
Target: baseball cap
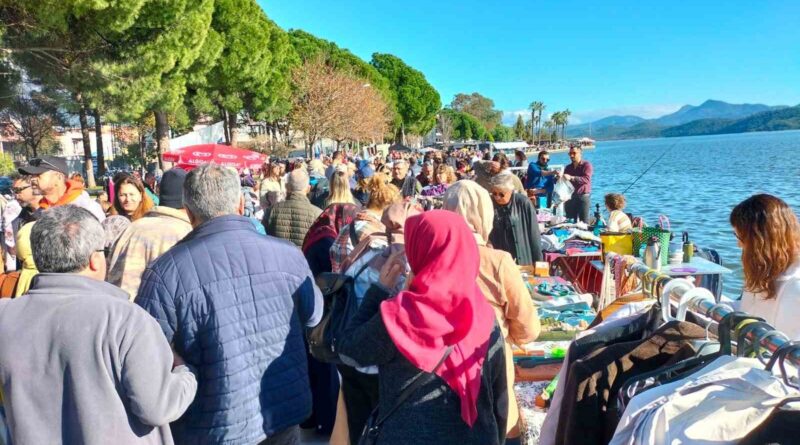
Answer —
(37, 166)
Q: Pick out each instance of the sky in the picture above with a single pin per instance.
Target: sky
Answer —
(597, 58)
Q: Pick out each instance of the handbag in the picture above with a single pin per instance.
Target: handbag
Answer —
(340, 305)
(373, 426)
(662, 232)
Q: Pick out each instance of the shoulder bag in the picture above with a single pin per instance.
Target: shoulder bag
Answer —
(373, 427)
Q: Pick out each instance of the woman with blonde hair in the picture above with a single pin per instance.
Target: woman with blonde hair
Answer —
(499, 281)
(130, 199)
(368, 221)
(769, 235)
(271, 189)
(339, 192)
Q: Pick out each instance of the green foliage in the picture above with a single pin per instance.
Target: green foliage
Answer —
(417, 100)
(6, 165)
(253, 72)
(520, 130)
(478, 106)
(502, 133)
(466, 126)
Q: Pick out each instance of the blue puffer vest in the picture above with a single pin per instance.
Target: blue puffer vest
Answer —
(235, 302)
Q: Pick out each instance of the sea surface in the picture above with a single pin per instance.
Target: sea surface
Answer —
(698, 182)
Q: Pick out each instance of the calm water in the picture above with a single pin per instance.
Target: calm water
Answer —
(698, 182)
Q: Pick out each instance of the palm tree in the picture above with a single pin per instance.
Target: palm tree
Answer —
(549, 124)
(536, 108)
(566, 114)
(557, 118)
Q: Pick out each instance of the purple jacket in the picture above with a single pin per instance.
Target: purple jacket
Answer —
(582, 180)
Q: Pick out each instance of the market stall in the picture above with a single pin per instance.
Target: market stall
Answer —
(657, 336)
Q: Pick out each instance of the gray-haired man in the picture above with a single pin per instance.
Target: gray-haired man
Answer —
(235, 303)
(291, 219)
(81, 364)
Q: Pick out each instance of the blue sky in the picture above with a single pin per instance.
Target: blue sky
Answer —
(596, 58)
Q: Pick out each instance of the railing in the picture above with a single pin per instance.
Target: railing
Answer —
(700, 301)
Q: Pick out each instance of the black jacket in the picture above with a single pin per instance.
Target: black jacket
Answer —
(433, 413)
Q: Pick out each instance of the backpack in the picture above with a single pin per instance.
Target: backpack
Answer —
(340, 305)
(8, 284)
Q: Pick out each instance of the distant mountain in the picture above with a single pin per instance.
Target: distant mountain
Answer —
(712, 109)
(783, 118)
(710, 117)
(604, 128)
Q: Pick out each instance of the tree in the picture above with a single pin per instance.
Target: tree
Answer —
(329, 103)
(417, 101)
(502, 133)
(480, 107)
(519, 128)
(564, 122)
(536, 108)
(253, 72)
(445, 125)
(32, 115)
(465, 126)
(7, 166)
(309, 47)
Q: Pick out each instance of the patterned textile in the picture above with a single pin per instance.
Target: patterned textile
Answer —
(532, 417)
(142, 243)
(367, 222)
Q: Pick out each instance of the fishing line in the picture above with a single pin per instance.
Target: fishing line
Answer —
(651, 166)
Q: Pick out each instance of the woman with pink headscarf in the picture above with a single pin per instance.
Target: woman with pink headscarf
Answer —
(439, 331)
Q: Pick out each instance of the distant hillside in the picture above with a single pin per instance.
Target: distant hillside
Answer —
(711, 109)
(698, 127)
(710, 117)
(605, 128)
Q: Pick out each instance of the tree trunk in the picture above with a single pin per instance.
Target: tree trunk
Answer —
(233, 128)
(87, 142)
(98, 135)
(162, 136)
(225, 129)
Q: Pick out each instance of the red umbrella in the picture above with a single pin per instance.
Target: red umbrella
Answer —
(190, 157)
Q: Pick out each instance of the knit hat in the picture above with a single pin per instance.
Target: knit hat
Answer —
(171, 191)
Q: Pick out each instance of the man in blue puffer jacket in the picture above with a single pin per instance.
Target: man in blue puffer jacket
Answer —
(234, 304)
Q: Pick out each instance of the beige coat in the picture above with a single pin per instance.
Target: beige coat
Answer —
(501, 282)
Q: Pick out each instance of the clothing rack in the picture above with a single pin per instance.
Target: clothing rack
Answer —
(710, 309)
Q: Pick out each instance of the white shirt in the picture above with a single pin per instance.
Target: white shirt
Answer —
(783, 311)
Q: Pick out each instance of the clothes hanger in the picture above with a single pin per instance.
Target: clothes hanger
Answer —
(726, 326)
(695, 293)
(742, 331)
(666, 308)
(761, 349)
(779, 356)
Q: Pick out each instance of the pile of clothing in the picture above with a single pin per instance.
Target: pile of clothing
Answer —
(636, 379)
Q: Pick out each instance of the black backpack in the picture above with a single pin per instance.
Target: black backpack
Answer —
(338, 291)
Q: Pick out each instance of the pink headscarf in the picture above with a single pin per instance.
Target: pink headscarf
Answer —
(443, 306)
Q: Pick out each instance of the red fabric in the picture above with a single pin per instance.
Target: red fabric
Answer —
(329, 223)
(190, 157)
(443, 306)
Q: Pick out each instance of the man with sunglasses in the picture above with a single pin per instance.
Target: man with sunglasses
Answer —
(49, 175)
(540, 181)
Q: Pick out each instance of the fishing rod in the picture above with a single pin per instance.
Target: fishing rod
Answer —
(651, 166)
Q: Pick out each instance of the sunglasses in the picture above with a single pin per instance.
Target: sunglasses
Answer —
(18, 190)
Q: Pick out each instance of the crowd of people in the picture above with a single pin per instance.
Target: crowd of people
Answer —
(160, 313)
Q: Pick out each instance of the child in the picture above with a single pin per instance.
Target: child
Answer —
(618, 221)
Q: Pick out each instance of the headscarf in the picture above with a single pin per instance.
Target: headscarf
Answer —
(329, 223)
(473, 202)
(443, 306)
(396, 215)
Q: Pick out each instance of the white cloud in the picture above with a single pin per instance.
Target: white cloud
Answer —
(579, 117)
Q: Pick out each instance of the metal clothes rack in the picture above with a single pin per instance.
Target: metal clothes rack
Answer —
(710, 309)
